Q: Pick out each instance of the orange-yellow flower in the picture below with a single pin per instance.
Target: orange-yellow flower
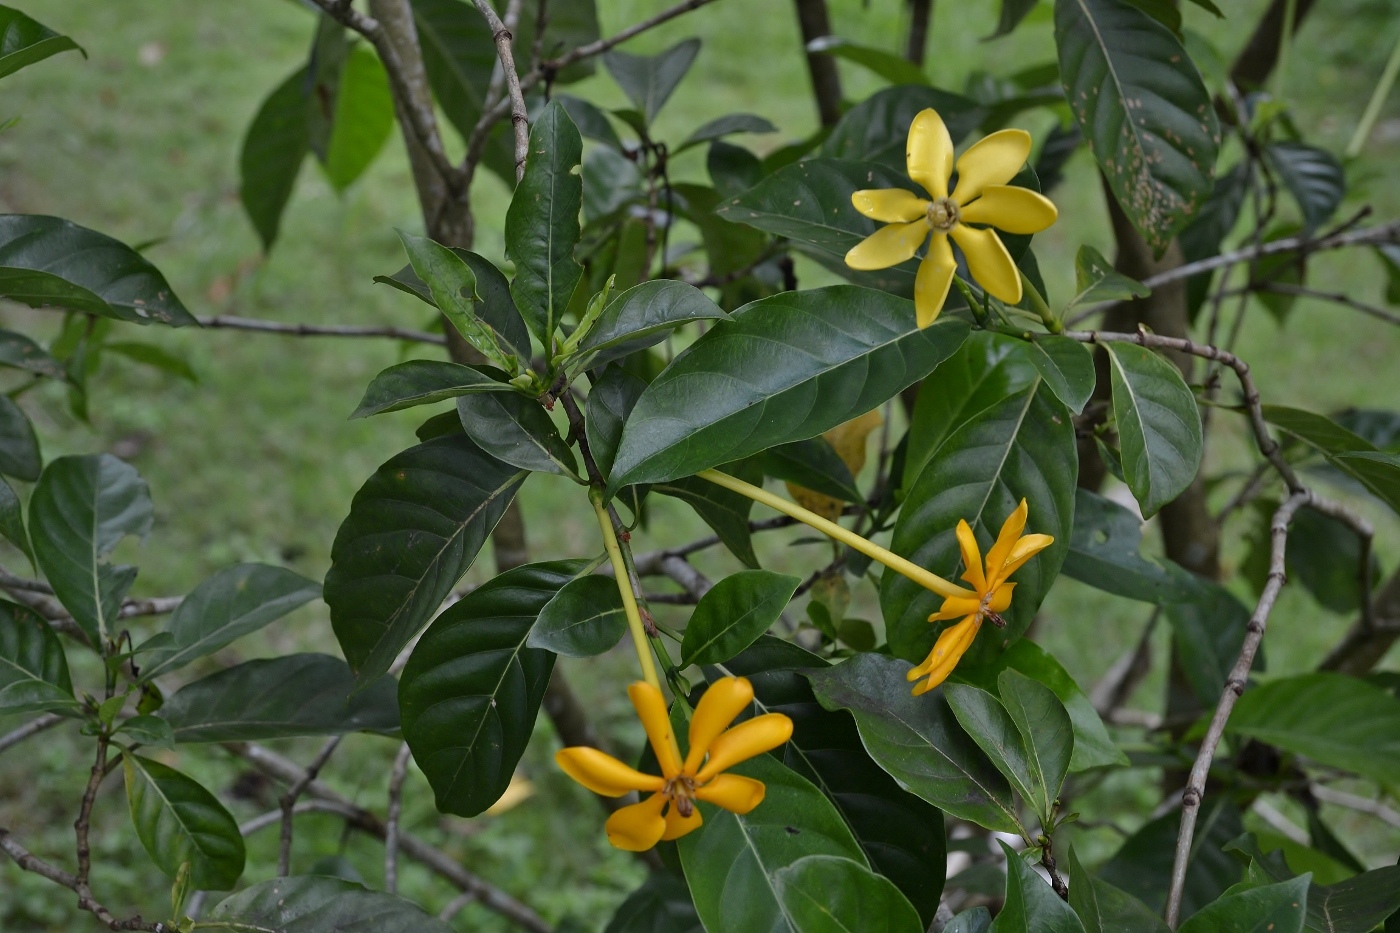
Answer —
(982, 199)
(670, 811)
(990, 594)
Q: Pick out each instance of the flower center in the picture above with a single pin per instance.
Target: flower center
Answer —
(942, 214)
(681, 790)
(985, 611)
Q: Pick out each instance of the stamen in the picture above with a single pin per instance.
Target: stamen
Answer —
(943, 214)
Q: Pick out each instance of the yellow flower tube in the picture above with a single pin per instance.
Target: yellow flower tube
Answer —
(624, 589)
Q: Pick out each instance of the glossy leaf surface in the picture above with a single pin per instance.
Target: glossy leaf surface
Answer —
(585, 618)
(33, 667)
(319, 904)
(1159, 425)
(178, 821)
(732, 615)
(830, 894)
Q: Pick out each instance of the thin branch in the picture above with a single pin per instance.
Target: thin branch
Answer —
(274, 817)
(289, 800)
(454, 906)
(320, 330)
(1122, 679)
(391, 829)
(32, 863)
(31, 728)
(515, 97)
(695, 583)
(1284, 288)
(1353, 802)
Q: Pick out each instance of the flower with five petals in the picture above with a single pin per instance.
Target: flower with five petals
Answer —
(982, 199)
(990, 594)
(670, 812)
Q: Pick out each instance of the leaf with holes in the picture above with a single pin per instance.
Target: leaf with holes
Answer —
(1159, 425)
(1105, 551)
(179, 822)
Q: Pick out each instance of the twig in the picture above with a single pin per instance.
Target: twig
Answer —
(32, 863)
(1271, 815)
(1353, 802)
(454, 906)
(515, 97)
(321, 330)
(391, 828)
(1234, 686)
(1123, 678)
(695, 583)
(289, 800)
(33, 727)
(273, 817)
(1284, 288)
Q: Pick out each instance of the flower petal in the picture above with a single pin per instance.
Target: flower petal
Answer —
(1015, 210)
(947, 652)
(725, 699)
(989, 262)
(639, 826)
(955, 607)
(734, 792)
(889, 205)
(928, 153)
(651, 709)
(1001, 599)
(753, 737)
(992, 160)
(677, 825)
(602, 773)
(934, 280)
(971, 555)
(1006, 539)
(1025, 549)
(888, 246)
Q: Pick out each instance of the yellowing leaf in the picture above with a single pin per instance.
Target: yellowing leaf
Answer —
(849, 441)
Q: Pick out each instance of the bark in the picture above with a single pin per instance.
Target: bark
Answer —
(920, 14)
(814, 22)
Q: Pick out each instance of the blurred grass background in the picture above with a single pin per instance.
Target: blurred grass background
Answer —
(258, 462)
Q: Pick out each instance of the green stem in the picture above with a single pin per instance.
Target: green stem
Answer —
(1047, 317)
(1285, 46)
(624, 589)
(1372, 112)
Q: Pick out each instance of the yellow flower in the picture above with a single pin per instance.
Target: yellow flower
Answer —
(990, 594)
(982, 197)
(670, 811)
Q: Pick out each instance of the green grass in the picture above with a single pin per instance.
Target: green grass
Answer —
(259, 462)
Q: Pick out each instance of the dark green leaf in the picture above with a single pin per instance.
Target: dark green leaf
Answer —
(493, 306)
(726, 125)
(414, 528)
(1046, 731)
(232, 603)
(569, 24)
(643, 316)
(277, 141)
(318, 904)
(610, 182)
(1159, 425)
(1378, 472)
(49, 261)
(831, 894)
(296, 694)
(472, 689)
(1105, 909)
(1031, 905)
(1274, 908)
(151, 731)
(1066, 365)
(877, 129)
(661, 905)
(459, 55)
(783, 369)
(156, 357)
(731, 863)
(726, 512)
(649, 80)
(422, 382)
(732, 169)
(452, 284)
(1354, 905)
(542, 224)
(33, 668)
(976, 920)
(1332, 719)
(812, 464)
(517, 430)
(1324, 555)
(734, 612)
(985, 719)
(1060, 143)
(1313, 176)
(19, 445)
(12, 521)
(592, 122)
(609, 403)
(364, 118)
(1096, 280)
(893, 68)
(1143, 864)
(1204, 236)
(178, 821)
(1142, 105)
(1021, 447)
(24, 41)
(585, 618)
(1105, 552)
(1012, 12)
(1208, 625)
(19, 351)
(918, 740)
(81, 508)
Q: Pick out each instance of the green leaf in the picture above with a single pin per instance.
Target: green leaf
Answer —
(12, 521)
(1313, 176)
(364, 117)
(1144, 109)
(831, 894)
(1031, 905)
(732, 861)
(156, 357)
(901, 834)
(1105, 909)
(1066, 365)
(585, 618)
(493, 306)
(877, 128)
(893, 68)
(1021, 447)
(148, 730)
(1159, 425)
(611, 182)
(1096, 280)
(20, 352)
(661, 905)
(232, 603)
(542, 225)
(1206, 233)
(274, 698)
(423, 382)
(734, 612)
(570, 24)
(812, 464)
(727, 125)
(918, 740)
(1275, 908)
(1046, 731)
(1105, 551)
(452, 284)
(33, 667)
(642, 317)
(1331, 719)
(1324, 555)
(318, 904)
(985, 719)
(1012, 12)
(726, 512)
(649, 80)
(1209, 626)
(1317, 430)
(472, 688)
(81, 508)
(20, 456)
(517, 430)
(1358, 904)
(1378, 472)
(610, 401)
(592, 122)
(178, 821)
(1143, 864)
(24, 41)
(976, 920)
(49, 261)
(413, 529)
(781, 370)
(276, 143)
